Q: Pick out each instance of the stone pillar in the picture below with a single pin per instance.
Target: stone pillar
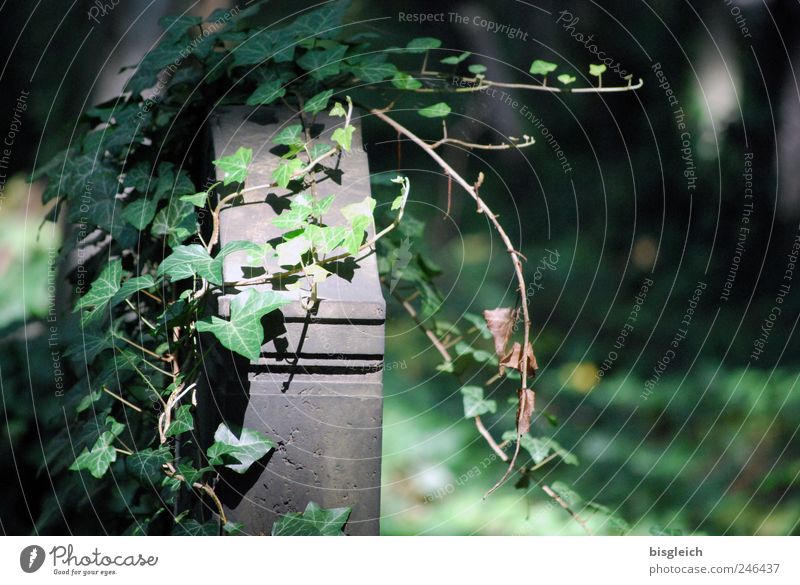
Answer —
(316, 389)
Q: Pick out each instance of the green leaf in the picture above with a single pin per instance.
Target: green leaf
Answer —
(566, 79)
(286, 170)
(539, 67)
(318, 149)
(326, 239)
(541, 447)
(322, 64)
(97, 460)
(439, 110)
(177, 221)
(246, 449)
(318, 102)
(314, 521)
(146, 464)
(191, 527)
(355, 236)
(197, 199)
(290, 136)
(189, 262)
(477, 69)
(267, 92)
(337, 111)
(372, 68)
(291, 251)
(597, 70)
(235, 165)
(474, 402)
(244, 334)
(132, 285)
(344, 136)
(405, 81)
(422, 44)
(141, 212)
(455, 59)
(182, 421)
(96, 300)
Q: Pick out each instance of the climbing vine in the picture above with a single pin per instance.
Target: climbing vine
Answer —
(142, 322)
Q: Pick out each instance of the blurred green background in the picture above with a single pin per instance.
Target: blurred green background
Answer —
(713, 449)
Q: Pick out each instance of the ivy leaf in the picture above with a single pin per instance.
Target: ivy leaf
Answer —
(540, 448)
(422, 44)
(323, 22)
(318, 149)
(296, 216)
(146, 464)
(439, 110)
(326, 239)
(566, 79)
(322, 64)
(246, 449)
(474, 402)
(197, 199)
(141, 212)
(290, 252)
(477, 69)
(244, 334)
(189, 262)
(191, 527)
(290, 136)
(235, 165)
(455, 59)
(405, 81)
(97, 460)
(182, 422)
(314, 521)
(344, 136)
(372, 68)
(100, 293)
(177, 221)
(286, 170)
(597, 70)
(267, 92)
(132, 285)
(318, 102)
(337, 111)
(539, 67)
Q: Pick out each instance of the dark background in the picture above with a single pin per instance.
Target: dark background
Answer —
(713, 449)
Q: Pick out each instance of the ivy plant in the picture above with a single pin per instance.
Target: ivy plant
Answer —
(143, 325)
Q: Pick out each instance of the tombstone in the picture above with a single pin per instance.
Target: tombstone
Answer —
(316, 389)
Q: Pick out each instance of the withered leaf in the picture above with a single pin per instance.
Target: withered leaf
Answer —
(513, 359)
(500, 323)
(525, 410)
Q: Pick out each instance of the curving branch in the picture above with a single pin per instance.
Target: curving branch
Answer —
(472, 191)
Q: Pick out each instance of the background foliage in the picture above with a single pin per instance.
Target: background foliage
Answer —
(712, 450)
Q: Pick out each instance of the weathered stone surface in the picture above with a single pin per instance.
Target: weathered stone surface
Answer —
(317, 387)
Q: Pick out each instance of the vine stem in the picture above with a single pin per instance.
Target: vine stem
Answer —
(560, 501)
(483, 83)
(472, 191)
(447, 357)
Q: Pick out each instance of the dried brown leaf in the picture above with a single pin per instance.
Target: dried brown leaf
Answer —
(500, 323)
(525, 410)
(513, 359)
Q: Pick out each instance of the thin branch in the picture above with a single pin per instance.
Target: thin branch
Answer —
(472, 191)
(564, 505)
(481, 84)
(121, 399)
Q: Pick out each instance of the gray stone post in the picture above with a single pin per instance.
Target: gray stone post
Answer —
(316, 389)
